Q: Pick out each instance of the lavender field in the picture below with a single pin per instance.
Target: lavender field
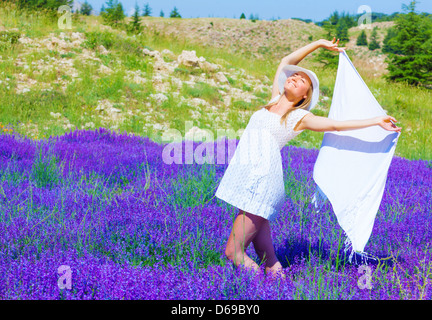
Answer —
(130, 226)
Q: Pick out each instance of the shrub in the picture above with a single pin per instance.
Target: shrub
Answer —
(362, 39)
(413, 41)
(175, 13)
(374, 44)
(8, 39)
(114, 14)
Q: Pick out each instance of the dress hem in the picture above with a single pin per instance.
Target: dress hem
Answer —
(254, 207)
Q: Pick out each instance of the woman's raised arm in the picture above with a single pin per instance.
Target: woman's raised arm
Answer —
(295, 57)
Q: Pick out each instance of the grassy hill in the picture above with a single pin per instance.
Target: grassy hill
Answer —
(55, 80)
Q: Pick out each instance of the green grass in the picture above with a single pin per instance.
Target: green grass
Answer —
(410, 105)
(45, 172)
(202, 90)
(193, 189)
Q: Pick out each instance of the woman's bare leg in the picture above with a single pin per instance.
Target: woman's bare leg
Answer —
(264, 248)
(245, 228)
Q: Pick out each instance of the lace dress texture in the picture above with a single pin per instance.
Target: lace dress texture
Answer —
(253, 180)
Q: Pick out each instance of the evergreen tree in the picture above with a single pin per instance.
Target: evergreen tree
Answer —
(43, 4)
(374, 44)
(135, 25)
(334, 18)
(342, 31)
(161, 14)
(362, 39)
(147, 10)
(113, 14)
(253, 18)
(175, 13)
(85, 9)
(414, 42)
(331, 26)
(388, 46)
(242, 16)
(350, 21)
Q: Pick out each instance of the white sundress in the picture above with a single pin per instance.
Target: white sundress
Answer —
(253, 180)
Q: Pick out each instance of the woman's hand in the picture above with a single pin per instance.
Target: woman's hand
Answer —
(330, 45)
(388, 123)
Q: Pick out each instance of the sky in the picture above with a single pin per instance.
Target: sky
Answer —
(265, 9)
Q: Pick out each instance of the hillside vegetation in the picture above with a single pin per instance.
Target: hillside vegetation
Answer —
(212, 72)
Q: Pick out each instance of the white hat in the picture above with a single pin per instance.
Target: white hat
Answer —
(290, 69)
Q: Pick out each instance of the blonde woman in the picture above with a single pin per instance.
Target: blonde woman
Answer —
(256, 186)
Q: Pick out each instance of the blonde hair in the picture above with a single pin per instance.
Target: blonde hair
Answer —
(302, 104)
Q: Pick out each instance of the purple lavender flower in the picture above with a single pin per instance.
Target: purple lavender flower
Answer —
(130, 226)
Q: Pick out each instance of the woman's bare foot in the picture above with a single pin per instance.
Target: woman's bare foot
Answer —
(275, 270)
(243, 260)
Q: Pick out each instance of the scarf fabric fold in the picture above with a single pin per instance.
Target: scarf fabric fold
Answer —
(352, 166)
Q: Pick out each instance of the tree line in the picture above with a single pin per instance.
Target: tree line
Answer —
(407, 44)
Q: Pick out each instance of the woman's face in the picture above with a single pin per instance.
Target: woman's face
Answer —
(297, 85)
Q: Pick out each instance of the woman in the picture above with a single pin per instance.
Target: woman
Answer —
(256, 186)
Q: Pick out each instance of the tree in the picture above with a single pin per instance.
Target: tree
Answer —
(336, 26)
(161, 14)
(388, 46)
(242, 16)
(147, 10)
(326, 57)
(135, 25)
(175, 13)
(113, 14)
(43, 4)
(362, 39)
(334, 18)
(374, 44)
(253, 18)
(350, 21)
(413, 41)
(342, 31)
(86, 9)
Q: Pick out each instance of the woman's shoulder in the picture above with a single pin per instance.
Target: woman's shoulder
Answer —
(255, 117)
(299, 113)
(295, 117)
(259, 111)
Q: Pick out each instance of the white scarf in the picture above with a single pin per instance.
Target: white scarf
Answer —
(351, 168)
